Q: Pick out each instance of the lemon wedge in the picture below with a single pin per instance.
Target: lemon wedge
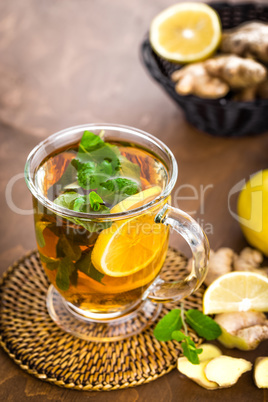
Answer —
(186, 32)
(236, 291)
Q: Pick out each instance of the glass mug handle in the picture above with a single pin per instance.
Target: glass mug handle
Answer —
(187, 227)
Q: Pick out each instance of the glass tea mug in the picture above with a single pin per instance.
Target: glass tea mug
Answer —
(136, 300)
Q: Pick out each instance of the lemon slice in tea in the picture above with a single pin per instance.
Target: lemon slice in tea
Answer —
(237, 291)
(132, 244)
(186, 32)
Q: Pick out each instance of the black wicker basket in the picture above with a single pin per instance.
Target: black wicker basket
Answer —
(219, 117)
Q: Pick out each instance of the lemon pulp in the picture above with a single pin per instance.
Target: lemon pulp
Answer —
(237, 291)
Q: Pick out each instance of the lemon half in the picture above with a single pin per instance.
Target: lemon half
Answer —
(186, 32)
(237, 291)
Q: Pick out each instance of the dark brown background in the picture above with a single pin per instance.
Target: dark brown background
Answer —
(70, 62)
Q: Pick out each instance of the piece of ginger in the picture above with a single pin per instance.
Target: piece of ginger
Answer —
(220, 263)
(250, 260)
(196, 372)
(261, 372)
(242, 330)
(215, 77)
(226, 370)
(194, 79)
(247, 40)
(237, 72)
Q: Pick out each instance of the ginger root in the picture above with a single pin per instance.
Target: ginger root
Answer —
(242, 330)
(248, 40)
(220, 263)
(214, 370)
(235, 71)
(194, 79)
(196, 372)
(215, 77)
(225, 260)
(249, 260)
(226, 370)
(261, 372)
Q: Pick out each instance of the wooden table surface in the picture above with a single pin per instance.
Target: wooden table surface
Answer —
(64, 63)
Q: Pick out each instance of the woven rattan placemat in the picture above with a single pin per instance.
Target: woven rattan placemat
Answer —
(39, 347)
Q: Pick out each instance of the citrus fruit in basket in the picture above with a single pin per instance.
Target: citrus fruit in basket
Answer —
(186, 32)
(252, 210)
(125, 248)
(236, 291)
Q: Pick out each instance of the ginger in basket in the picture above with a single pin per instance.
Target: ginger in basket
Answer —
(215, 77)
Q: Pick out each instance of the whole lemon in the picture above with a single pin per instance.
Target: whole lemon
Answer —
(252, 210)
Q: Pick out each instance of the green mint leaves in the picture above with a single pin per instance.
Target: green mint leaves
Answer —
(98, 176)
(169, 323)
(69, 261)
(190, 351)
(93, 149)
(97, 167)
(95, 201)
(101, 167)
(82, 203)
(169, 328)
(85, 265)
(64, 271)
(203, 325)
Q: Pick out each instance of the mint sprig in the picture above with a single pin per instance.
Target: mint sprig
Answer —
(169, 328)
(101, 167)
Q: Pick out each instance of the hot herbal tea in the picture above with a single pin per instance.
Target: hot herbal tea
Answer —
(105, 265)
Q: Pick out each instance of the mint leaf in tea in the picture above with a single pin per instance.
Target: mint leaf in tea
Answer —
(101, 264)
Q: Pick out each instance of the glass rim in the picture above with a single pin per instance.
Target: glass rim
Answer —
(67, 213)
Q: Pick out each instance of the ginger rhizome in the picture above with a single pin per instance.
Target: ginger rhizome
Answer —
(237, 72)
(194, 79)
(214, 370)
(226, 370)
(261, 372)
(250, 260)
(225, 260)
(215, 77)
(242, 330)
(247, 40)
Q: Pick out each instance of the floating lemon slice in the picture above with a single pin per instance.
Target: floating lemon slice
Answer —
(237, 291)
(186, 32)
(132, 244)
